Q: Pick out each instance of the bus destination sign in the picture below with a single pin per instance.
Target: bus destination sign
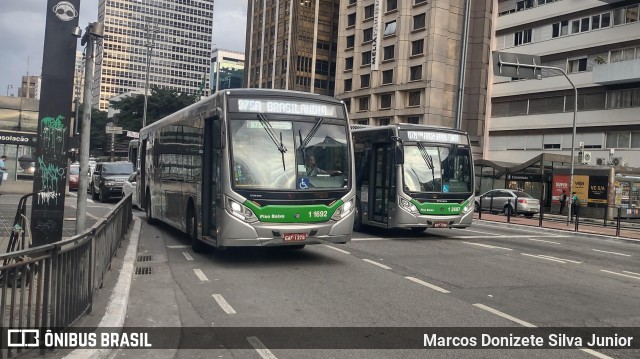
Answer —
(432, 136)
(287, 107)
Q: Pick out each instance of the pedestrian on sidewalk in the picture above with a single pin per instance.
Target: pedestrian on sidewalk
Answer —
(575, 205)
(3, 169)
(563, 201)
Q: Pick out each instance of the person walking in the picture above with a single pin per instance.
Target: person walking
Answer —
(575, 205)
(3, 169)
(563, 201)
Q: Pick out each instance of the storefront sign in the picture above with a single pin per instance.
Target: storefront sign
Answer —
(18, 138)
(524, 177)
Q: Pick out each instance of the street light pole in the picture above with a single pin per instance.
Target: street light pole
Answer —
(8, 87)
(151, 37)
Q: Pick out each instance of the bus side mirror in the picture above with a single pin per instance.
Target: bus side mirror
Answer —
(218, 134)
(399, 154)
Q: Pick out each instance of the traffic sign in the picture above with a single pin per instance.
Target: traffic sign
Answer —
(519, 66)
(116, 130)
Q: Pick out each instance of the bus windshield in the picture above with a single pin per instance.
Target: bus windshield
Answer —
(273, 154)
(439, 168)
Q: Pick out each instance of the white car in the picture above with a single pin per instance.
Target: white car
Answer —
(130, 186)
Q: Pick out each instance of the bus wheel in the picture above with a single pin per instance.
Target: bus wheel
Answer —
(357, 220)
(418, 229)
(147, 209)
(192, 231)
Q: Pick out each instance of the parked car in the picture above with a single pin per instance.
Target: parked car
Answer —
(108, 179)
(130, 186)
(497, 200)
(74, 176)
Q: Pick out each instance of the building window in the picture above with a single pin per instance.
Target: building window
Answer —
(365, 81)
(351, 19)
(385, 101)
(414, 98)
(417, 47)
(387, 77)
(366, 58)
(368, 12)
(363, 104)
(389, 52)
(631, 14)
(351, 39)
(367, 34)
(363, 122)
(415, 73)
(577, 65)
(347, 84)
(580, 25)
(420, 1)
(351, 2)
(347, 104)
(348, 63)
(618, 139)
(390, 28)
(523, 37)
(384, 121)
(413, 119)
(419, 21)
(392, 5)
(524, 4)
(560, 29)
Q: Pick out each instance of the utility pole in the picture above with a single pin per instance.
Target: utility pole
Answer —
(151, 38)
(92, 34)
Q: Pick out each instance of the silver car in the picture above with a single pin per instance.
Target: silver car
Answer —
(497, 200)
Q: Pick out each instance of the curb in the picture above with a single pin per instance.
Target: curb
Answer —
(556, 231)
(116, 312)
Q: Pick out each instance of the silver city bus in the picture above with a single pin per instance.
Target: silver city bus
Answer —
(413, 176)
(252, 167)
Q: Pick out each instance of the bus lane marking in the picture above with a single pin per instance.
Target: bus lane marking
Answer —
(620, 274)
(369, 239)
(187, 256)
(428, 285)
(616, 253)
(223, 304)
(261, 348)
(200, 275)
(337, 249)
(488, 246)
(626, 271)
(560, 259)
(376, 264)
(529, 325)
(178, 246)
(540, 257)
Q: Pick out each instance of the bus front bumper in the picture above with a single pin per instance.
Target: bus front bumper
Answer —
(405, 219)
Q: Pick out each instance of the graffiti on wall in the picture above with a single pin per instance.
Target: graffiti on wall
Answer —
(53, 133)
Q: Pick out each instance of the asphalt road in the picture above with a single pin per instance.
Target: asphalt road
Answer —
(486, 276)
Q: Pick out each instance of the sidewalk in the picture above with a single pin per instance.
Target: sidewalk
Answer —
(557, 222)
(16, 187)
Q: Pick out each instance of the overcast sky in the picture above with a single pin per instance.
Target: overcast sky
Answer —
(22, 34)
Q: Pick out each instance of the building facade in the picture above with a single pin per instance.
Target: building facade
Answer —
(30, 87)
(227, 70)
(178, 33)
(598, 44)
(399, 62)
(292, 52)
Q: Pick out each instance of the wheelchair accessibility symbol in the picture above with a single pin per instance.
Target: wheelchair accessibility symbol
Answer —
(304, 183)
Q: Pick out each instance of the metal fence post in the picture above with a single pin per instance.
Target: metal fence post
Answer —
(618, 222)
(491, 205)
(480, 209)
(509, 210)
(605, 215)
(541, 215)
(577, 213)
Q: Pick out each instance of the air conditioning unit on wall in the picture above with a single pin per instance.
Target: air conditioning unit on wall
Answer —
(584, 157)
(619, 161)
(601, 161)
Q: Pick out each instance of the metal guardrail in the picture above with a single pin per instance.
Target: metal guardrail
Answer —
(52, 286)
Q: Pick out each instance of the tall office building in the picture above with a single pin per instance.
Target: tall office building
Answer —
(227, 70)
(180, 32)
(399, 62)
(291, 44)
(30, 87)
(598, 44)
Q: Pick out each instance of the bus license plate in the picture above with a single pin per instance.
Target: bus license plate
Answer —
(293, 237)
(441, 225)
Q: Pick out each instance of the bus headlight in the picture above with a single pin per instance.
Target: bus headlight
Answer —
(407, 205)
(469, 207)
(343, 210)
(239, 211)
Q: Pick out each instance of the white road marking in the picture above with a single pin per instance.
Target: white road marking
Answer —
(476, 231)
(87, 212)
(223, 304)
(542, 240)
(626, 271)
(529, 325)
(488, 246)
(504, 315)
(376, 264)
(560, 259)
(261, 348)
(370, 239)
(539, 257)
(337, 249)
(507, 237)
(434, 287)
(201, 275)
(178, 246)
(187, 256)
(620, 274)
(616, 253)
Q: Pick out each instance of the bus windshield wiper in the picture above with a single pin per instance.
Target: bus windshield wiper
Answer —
(279, 145)
(314, 129)
(427, 159)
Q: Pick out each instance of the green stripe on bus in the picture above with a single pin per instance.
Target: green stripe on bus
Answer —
(294, 213)
(445, 209)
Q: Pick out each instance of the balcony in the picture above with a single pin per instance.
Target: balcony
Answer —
(617, 72)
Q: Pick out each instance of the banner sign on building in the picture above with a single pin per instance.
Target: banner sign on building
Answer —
(376, 38)
(18, 138)
(58, 66)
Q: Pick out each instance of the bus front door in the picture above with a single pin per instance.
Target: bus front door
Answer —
(382, 182)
